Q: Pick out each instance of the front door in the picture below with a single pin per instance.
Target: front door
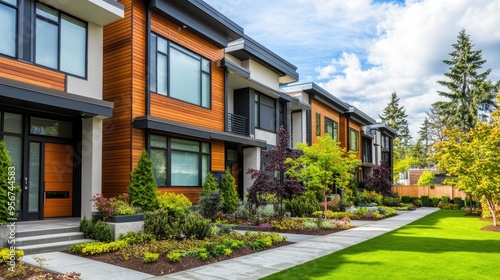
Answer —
(50, 182)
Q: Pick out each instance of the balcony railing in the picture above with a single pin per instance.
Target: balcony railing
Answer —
(237, 124)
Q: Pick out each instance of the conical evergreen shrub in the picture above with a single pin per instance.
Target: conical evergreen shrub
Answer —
(6, 172)
(228, 192)
(142, 188)
(210, 185)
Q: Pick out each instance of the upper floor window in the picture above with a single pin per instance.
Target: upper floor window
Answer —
(8, 29)
(179, 73)
(318, 124)
(353, 140)
(265, 112)
(332, 128)
(386, 143)
(60, 41)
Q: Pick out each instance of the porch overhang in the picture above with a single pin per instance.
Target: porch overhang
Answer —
(154, 123)
(26, 96)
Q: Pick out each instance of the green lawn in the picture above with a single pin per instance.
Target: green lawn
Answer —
(444, 245)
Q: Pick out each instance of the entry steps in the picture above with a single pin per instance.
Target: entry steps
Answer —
(47, 240)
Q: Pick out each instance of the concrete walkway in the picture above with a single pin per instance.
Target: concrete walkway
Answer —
(252, 266)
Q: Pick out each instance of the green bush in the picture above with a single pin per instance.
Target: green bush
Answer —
(210, 205)
(458, 201)
(137, 237)
(172, 202)
(366, 198)
(390, 201)
(174, 256)
(142, 187)
(435, 201)
(425, 200)
(209, 185)
(225, 229)
(163, 225)
(151, 257)
(301, 206)
(415, 201)
(229, 196)
(195, 226)
(405, 199)
(448, 206)
(8, 188)
(5, 255)
(96, 248)
(445, 199)
(86, 226)
(102, 232)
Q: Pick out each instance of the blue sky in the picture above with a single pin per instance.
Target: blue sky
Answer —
(361, 51)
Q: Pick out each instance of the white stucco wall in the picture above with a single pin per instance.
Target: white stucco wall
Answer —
(269, 137)
(297, 129)
(251, 159)
(92, 86)
(262, 74)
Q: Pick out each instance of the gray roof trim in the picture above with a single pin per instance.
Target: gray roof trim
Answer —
(246, 48)
(234, 67)
(319, 93)
(300, 104)
(115, 3)
(360, 116)
(383, 127)
(149, 122)
(281, 94)
(24, 95)
(201, 18)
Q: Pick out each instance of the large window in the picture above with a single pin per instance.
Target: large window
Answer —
(60, 41)
(179, 162)
(332, 128)
(265, 112)
(179, 73)
(8, 30)
(353, 140)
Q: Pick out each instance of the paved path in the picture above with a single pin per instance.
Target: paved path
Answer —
(252, 266)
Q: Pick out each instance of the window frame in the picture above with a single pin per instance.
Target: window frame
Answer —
(16, 8)
(154, 52)
(201, 154)
(335, 128)
(60, 13)
(356, 133)
(259, 112)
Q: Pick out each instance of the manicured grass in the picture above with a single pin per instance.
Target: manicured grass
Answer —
(444, 245)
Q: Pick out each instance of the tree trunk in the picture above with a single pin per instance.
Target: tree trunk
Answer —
(493, 211)
(326, 207)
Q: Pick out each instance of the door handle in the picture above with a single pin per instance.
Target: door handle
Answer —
(26, 183)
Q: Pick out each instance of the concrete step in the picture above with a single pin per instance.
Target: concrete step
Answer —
(47, 231)
(50, 247)
(48, 238)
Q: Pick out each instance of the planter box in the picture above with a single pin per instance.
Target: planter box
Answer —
(126, 218)
(119, 228)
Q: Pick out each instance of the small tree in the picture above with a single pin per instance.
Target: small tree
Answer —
(210, 185)
(380, 180)
(426, 179)
(272, 179)
(323, 165)
(229, 196)
(142, 187)
(8, 189)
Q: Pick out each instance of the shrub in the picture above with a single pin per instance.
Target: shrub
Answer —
(425, 200)
(5, 255)
(163, 225)
(304, 205)
(172, 202)
(142, 187)
(136, 237)
(196, 226)
(266, 210)
(390, 201)
(209, 185)
(309, 224)
(102, 232)
(86, 227)
(285, 224)
(151, 257)
(448, 206)
(96, 248)
(229, 196)
(445, 199)
(226, 229)
(435, 201)
(210, 205)
(174, 256)
(458, 201)
(8, 189)
(405, 199)
(415, 201)
(366, 198)
(325, 224)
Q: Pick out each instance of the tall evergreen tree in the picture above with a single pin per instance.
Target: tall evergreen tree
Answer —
(142, 187)
(395, 117)
(470, 95)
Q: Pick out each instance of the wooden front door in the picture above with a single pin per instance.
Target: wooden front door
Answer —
(58, 180)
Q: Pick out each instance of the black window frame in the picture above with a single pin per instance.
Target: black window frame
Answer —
(59, 40)
(335, 128)
(351, 130)
(16, 23)
(168, 150)
(260, 104)
(153, 69)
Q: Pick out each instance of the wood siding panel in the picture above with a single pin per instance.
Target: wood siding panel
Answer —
(31, 74)
(325, 111)
(58, 176)
(117, 88)
(183, 112)
(218, 156)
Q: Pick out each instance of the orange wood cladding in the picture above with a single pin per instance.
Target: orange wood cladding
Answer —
(58, 176)
(31, 74)
(324, 111)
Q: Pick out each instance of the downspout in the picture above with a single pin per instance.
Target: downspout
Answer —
(147, 5)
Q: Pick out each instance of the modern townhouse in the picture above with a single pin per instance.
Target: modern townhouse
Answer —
(51, 101)
(377, 146)
(193, 91)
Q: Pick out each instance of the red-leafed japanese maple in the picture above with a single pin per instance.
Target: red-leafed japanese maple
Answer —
(380, 180)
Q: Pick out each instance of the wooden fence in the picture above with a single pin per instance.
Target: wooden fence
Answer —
(438, 191)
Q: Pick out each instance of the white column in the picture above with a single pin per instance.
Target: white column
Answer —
(91, 162)
(251, 159)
